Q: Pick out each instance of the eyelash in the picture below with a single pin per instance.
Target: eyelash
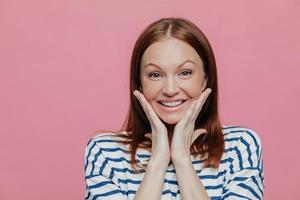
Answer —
(153, 73)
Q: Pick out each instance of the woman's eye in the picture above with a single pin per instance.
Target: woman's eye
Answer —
(154, 75)
(186, 73)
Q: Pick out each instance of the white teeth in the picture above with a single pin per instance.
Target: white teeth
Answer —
(172, 104)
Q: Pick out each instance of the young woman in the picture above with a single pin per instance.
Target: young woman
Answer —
(172, 144)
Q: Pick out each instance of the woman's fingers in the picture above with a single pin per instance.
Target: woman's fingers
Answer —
(197, 133)
(194, 109)
(148, 135)
(153, 118)
(139, 98)
(188, 114)
(200, 103)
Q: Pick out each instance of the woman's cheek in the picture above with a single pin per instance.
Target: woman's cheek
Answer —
(151, 90)
(192, 89)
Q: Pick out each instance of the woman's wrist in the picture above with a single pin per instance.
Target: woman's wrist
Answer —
(156, 165)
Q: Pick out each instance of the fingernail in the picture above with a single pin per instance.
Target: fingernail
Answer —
(135, 92)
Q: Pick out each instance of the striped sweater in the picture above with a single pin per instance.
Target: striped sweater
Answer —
(109, 175)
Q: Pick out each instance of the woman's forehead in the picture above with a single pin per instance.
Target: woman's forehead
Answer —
(170, 53)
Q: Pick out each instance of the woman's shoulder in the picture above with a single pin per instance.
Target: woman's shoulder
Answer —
(234, 134)
(108, 134)
(107, 145)
(108, 139)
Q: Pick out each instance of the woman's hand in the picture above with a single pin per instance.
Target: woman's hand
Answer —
(160, 152)
(184, 134)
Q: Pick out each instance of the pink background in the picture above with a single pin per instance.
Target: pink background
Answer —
(64, 75)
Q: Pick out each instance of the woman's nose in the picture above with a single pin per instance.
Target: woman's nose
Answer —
(170, 87)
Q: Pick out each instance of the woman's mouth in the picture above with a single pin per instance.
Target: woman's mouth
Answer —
(171, 106)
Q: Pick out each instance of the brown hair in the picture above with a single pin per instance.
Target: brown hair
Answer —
(136, 124)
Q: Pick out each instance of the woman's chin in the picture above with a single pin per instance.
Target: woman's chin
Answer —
(170, 121)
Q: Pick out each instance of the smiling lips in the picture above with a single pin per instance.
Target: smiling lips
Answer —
(171, 106)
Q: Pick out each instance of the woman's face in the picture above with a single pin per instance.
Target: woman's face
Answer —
(172, 77)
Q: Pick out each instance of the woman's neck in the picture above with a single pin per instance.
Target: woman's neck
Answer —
(170, 128)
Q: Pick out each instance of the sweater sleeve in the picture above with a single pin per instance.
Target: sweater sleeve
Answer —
(245, 178)
(101, 181)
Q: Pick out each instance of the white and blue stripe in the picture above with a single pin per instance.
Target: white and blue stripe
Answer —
(110, 176)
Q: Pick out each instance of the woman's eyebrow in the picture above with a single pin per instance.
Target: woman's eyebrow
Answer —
(177, 67)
